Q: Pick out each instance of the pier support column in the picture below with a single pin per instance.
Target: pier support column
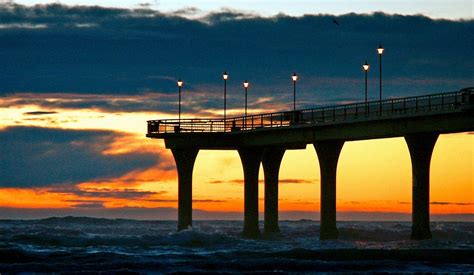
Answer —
(271, 161)
(184, 159)
(328, 155)
(421, 148)
(250, 158)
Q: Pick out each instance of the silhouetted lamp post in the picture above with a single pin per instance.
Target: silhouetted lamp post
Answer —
(380, 50)
(246, 86)
(180, 84)
(366, 67)
(225, 76)
(294, 77)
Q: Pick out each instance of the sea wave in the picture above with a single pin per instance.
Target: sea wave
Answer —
(130, 245)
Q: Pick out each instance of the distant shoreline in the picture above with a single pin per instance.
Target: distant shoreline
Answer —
(465, 218)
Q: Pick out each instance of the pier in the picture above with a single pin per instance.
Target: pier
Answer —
(264, 138)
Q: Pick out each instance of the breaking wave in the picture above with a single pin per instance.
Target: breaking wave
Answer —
(74, 244)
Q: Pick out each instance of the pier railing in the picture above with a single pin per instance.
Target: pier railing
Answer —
(407, 106)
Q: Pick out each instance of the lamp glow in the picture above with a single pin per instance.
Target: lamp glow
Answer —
(294, 77)
(246, 84)
(366, 66)
(180, 83)
(380, 49)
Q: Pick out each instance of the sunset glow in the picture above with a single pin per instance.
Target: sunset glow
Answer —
(373, 176)
(79, 83)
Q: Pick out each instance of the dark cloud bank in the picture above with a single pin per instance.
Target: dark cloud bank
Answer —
(57, 48)
(38, 157)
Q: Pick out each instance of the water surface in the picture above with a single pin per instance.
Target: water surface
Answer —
(86, 244)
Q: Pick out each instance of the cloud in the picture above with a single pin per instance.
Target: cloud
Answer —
(127, 193)
(81, 49)
(34, 157)
(150, 102)
(261, 181)
(443, 203)
(194, 200)
(303, 181)
(39, 113)
(89, 205)
(209, 201)
(86, 203)
(451, 203)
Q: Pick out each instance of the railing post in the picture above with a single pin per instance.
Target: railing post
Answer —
(261, 120)
(312, 116)
(417, 104)
(344, 112)
(404, 105)
(281, 119)
(357, 111)
(442, 102)
(324, 119)
(391, 101)
(333, 113)
(429, 103)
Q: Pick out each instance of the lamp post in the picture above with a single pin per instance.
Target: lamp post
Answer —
(225, 76)
(380, 50)
(366, 67)
(180, 84)
(294, 77)
(246, 86)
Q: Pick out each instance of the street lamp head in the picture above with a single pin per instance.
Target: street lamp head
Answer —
(246, 84)
(366, 66)
(380, 49)
(225, 75)
(294, 77)
(180, 83)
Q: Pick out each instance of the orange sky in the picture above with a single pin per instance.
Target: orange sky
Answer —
(373, 175)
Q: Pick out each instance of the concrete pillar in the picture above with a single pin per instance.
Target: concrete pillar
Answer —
(328, 155)
(184, 159)
(271, 161)
(250, 158)
(421, 148)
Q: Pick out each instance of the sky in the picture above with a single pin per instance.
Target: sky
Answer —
(435, 9)
(78, 83)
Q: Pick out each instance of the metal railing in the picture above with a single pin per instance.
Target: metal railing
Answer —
(407, 106)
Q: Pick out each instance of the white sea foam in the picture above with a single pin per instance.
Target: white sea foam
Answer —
(116, 244)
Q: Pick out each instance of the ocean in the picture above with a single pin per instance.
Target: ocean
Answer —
(77, 245)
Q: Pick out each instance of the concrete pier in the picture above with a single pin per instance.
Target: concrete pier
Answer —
(265, 138)
(421, 148)
(271, 162)
(250, 158)
(328, 155)
(185, 159)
